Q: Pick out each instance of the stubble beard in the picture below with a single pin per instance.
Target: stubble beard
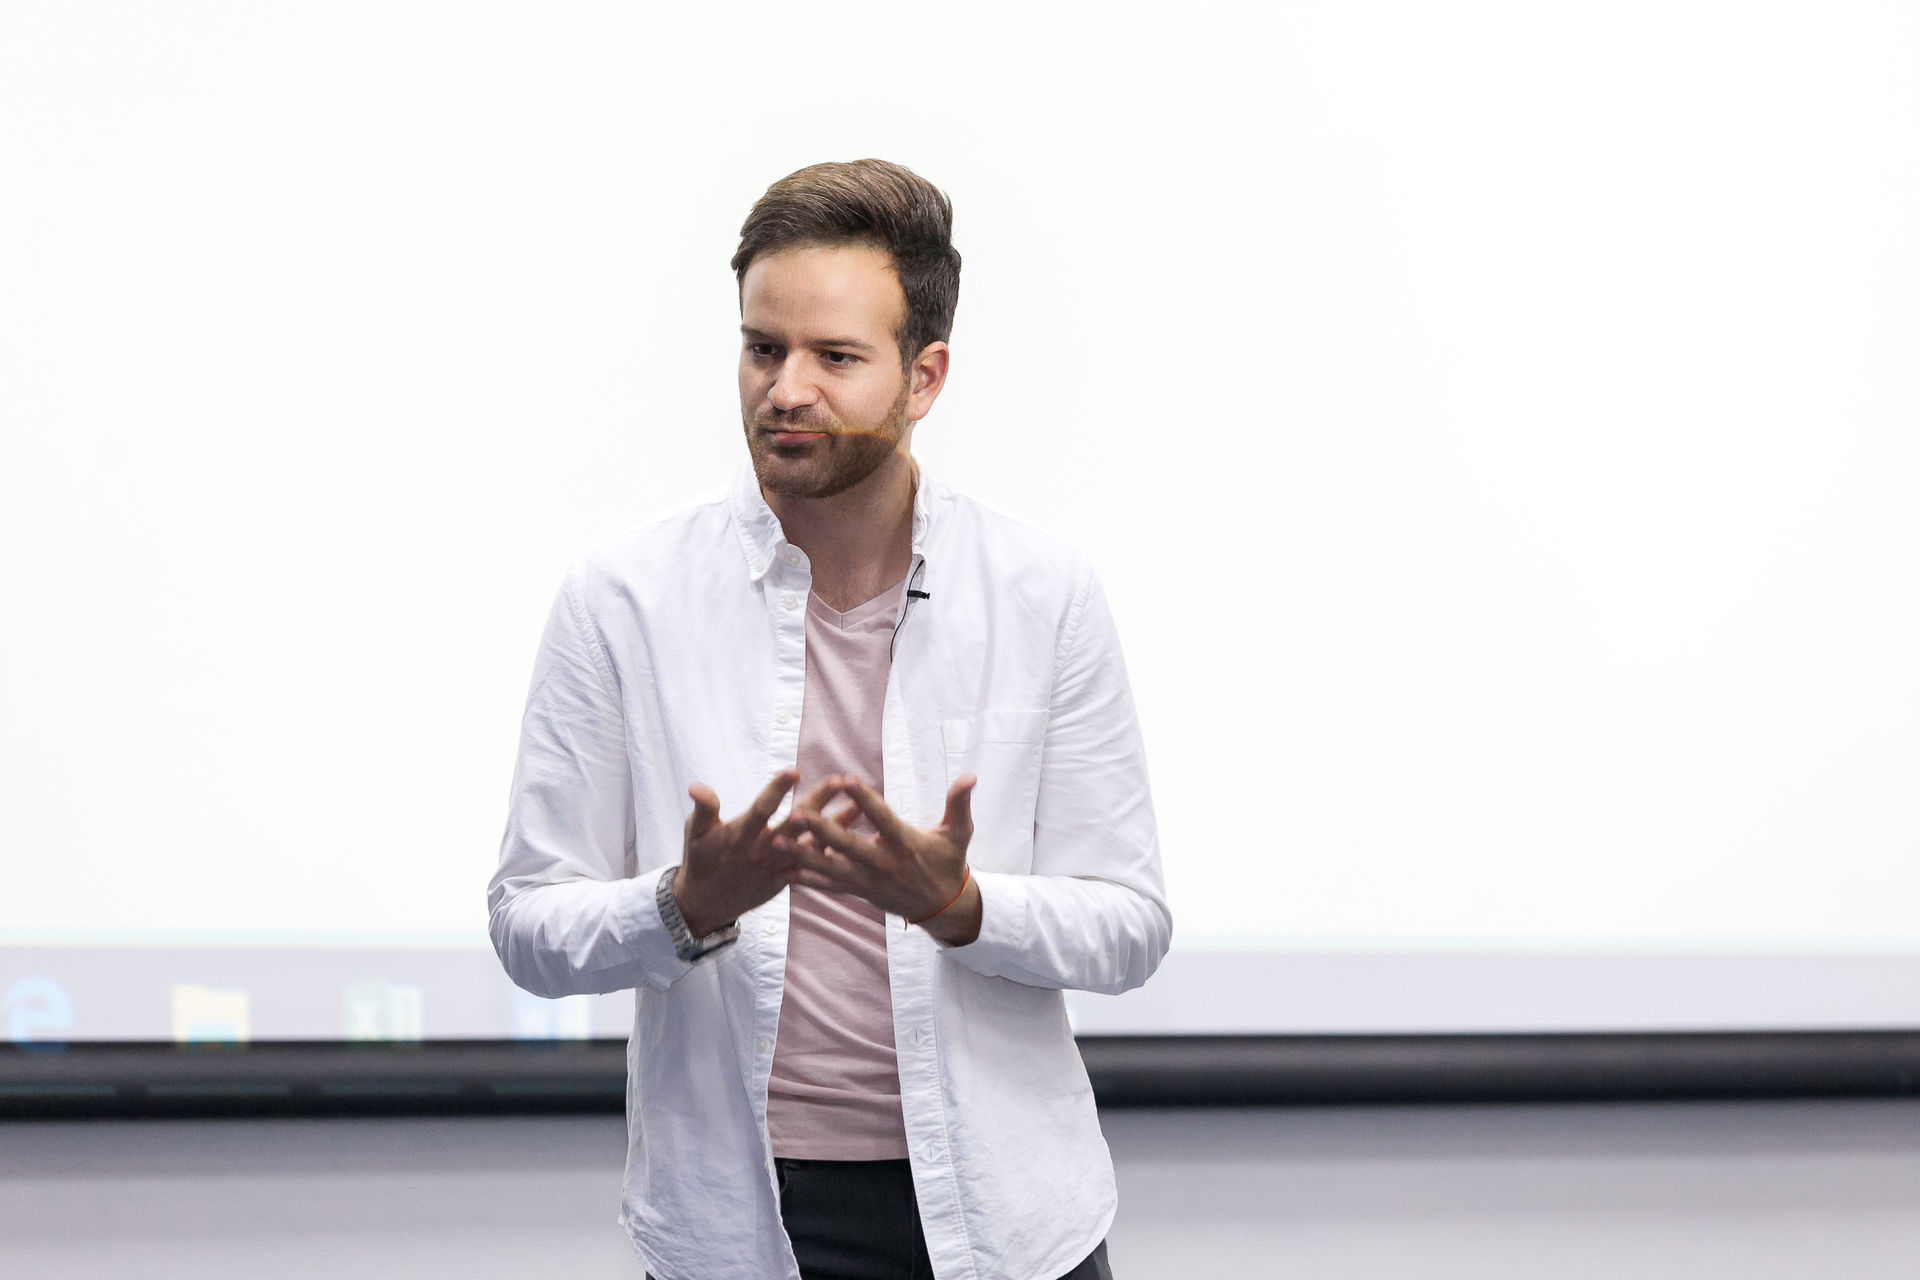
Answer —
(847, 457)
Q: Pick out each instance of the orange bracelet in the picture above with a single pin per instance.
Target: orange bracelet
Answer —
(950, 901)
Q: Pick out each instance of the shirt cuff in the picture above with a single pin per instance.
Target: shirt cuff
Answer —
(646, 933)
(1003, 923)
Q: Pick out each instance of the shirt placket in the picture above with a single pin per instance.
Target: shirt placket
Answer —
(785, 581)
(910, 959)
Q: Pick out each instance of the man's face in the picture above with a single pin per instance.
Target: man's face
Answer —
(822, 396)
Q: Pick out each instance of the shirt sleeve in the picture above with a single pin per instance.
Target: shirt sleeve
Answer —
(1093, 914)
(565, 916)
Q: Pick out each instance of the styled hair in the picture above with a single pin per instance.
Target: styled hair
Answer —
(871, 202)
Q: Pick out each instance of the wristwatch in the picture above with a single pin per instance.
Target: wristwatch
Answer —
(685, 945)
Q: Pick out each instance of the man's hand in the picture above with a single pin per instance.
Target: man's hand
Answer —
(727, 868)
(917, 875)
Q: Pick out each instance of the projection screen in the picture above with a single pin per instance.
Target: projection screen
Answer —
(1494, 425)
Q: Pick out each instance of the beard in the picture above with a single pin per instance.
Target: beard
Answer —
(850, 453)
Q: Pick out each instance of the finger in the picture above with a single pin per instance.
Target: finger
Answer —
(807, 878)
(843, 813)
(820, 792)
(812, 802)
(823, 868)
(958, 818)
(836, 837)
(883, 818)
(706, 810)
(795, 848)
(769, 798)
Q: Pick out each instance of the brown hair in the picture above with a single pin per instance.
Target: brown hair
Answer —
(888, 206)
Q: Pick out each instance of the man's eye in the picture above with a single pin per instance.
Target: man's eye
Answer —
(760, 350)
(840, 358)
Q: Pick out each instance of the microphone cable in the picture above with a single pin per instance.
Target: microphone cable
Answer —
(920, 564)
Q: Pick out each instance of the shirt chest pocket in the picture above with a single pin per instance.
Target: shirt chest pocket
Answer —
(1002, 748)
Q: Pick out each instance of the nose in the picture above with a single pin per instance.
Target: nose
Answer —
(791, 389)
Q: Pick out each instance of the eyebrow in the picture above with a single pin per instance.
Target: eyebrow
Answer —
(851, 343)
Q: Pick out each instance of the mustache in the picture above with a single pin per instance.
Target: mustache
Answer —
(794, 424)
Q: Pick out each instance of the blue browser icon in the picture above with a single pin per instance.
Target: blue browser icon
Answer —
(39, 1013)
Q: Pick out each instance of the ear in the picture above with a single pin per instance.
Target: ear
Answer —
(925, 377)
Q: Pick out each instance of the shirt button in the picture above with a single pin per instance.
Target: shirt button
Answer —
(782, 715)
(789, 601)
(793, 557)
(761, 1045)
(769, 928)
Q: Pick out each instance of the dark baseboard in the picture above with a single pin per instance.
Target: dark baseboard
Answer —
(311, 1078)
(1291, 1070)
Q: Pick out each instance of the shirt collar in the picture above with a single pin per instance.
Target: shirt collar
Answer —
(761, 537)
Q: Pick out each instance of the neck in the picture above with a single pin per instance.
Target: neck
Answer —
(860, 540)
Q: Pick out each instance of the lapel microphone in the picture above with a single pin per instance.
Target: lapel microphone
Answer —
(912, 595)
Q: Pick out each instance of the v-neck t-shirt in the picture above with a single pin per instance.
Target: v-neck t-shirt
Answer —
(834, 1092)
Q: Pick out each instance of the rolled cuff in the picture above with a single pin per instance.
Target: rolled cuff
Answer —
(1003, 923)
(640, 921)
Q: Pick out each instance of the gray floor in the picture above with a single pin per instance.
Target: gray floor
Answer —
(1700, 1190)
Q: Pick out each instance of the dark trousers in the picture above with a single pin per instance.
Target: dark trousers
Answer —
(858, 1220)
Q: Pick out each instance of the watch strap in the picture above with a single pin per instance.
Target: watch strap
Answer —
(685, 945)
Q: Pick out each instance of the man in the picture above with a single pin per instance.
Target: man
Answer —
(850, 1054)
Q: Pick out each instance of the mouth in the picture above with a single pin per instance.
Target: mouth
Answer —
(795, 437)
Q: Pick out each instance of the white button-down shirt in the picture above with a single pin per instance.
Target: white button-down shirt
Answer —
(676, 653)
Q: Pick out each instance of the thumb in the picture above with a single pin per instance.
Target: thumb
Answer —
(959, 816)
(706, 810)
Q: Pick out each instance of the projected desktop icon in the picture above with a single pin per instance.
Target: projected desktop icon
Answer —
(537, 1018)
(380, 1010)
(39, 1012)
(202, 1014)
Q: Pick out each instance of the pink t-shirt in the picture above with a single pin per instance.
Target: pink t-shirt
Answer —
(835, 1089)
